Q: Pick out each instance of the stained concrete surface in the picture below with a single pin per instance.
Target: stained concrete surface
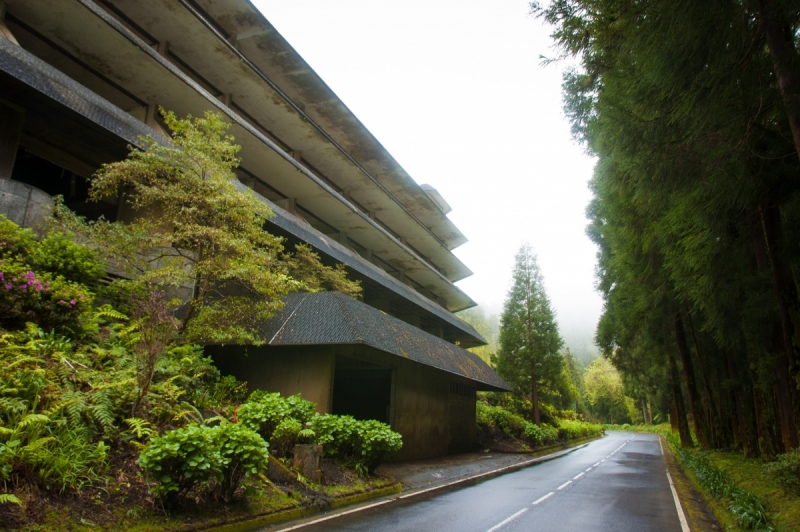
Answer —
(617, 483)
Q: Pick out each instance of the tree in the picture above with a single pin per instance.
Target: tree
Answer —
(194, 235)
(529, 354)
(692, 111)
(604, 392)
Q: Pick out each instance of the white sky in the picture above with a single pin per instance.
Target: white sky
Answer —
(455, 91)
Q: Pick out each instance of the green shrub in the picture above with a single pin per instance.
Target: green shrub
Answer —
(549, 434)
(377, 441)
(264, 411)
(534, 434)
(338, 435)
(285, 436)
(57, 253)
(242, 452)
(39, 297)
(786, 470)
(180, 459)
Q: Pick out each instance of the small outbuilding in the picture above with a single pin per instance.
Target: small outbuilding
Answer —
(351, 358)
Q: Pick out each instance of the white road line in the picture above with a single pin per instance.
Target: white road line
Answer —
(681, 515)
(578, 476)
(501, 524)
(542, 499)
(588, 469)
(321, 519)
(597, 464)
(564, 485)
(603, 460)
(661, 446)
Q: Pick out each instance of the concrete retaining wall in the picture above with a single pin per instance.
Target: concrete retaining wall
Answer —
(23, 204)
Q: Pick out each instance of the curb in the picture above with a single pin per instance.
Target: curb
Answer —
(253, 523)
(440, 487)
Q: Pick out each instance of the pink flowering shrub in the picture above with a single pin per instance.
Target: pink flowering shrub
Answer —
(44, 281)
(42, 298)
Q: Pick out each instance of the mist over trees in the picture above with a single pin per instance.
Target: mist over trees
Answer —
(693, 112)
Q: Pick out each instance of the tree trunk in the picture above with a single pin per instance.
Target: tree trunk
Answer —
(535, 399)
(789, 307)
(767, 443)
(745, 412)
(698, 416)
(677, 400)
(778, 34)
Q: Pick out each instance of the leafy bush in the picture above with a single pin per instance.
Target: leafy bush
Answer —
(495, 417)
(179, 459)
(377, 441)
(242, 452)
(338, 435)
(264, 411)
(39, 297)
(786, 470)
(285, 436)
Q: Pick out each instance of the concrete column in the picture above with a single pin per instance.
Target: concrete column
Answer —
(11, 120)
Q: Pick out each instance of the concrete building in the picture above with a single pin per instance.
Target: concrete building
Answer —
(80, 80)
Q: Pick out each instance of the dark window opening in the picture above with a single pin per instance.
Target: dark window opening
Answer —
(362, 391)
(56, 180)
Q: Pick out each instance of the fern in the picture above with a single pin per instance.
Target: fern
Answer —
(10, 498)
(140, 428)
(108, 312)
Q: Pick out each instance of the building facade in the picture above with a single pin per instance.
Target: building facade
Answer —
(81, 80)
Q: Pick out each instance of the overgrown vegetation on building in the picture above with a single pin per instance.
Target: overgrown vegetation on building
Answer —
(103, 389)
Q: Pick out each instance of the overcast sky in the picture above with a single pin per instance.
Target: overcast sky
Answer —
(455, 91)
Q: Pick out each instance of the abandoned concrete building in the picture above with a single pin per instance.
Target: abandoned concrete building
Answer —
(80, 80)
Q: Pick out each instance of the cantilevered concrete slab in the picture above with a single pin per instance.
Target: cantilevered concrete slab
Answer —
(122, 60)
(80, 130)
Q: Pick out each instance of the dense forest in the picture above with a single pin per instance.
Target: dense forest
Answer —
(692, 110)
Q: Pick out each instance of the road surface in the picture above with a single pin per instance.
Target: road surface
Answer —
(616, 483)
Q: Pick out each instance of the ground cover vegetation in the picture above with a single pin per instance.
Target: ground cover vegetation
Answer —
(693, 112)
(109, 411)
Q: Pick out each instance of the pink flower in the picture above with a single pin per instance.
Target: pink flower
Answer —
(9, 286)
(72, 302)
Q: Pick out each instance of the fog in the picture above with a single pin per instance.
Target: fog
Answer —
(456, 93)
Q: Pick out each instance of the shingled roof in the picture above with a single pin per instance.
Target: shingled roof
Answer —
(325, 318)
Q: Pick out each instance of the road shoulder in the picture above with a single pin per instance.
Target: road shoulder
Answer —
(697, 510)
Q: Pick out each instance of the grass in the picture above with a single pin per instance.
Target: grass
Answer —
(747, 474)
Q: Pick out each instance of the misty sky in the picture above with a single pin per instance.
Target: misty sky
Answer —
(455, 91)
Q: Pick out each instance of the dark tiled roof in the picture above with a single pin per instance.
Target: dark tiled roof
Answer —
(325, 318)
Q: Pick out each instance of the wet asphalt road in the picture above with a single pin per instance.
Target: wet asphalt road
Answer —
(616, 483)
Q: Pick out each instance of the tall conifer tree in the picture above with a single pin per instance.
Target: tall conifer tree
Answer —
(529, 354)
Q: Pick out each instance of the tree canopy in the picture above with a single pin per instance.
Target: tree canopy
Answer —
(691, 110)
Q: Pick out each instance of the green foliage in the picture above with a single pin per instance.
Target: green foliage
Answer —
(604, 392)
(34, 287)
(180, 459)
(749, 510)
(528, 357)
(285, 436)
(242, 452)
(495, 418)
(336, 434)
(264, 411)
(377, 442)
(786, 470)
(208, 235)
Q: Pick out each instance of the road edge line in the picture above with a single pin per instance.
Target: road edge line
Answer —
(681, 514)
